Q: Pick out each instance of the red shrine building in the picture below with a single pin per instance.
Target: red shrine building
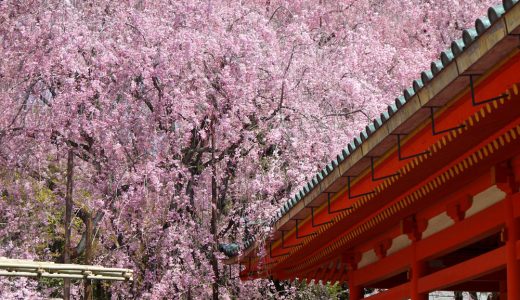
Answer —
(427, 197)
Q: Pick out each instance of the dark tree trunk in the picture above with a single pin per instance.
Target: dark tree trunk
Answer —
(68, 220)
(493, 296)
(214, 214)
(458, 295)
(88, 255)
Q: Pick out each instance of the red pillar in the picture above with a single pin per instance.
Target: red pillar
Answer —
(503, 290)
(414, 228)
(352, 260)
(417, 270)
(513, 268)
(356, 292)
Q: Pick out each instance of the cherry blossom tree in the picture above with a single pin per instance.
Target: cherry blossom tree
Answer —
(189, 122)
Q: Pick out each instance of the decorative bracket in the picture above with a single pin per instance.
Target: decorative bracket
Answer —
(413, 227)
(475, 102)
(503, 176)
(399, 153)
(334, 211)
(350, 196)
(312, 218)
(382, 247)
(302, 236)
(432, 117)
(457, 210)
(290, 246)
(382, 177)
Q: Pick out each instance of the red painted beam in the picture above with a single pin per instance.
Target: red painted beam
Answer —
(401, 292)
(385, 268)
(458, 277)
(476, 286)
(467, 270)
(463, 233)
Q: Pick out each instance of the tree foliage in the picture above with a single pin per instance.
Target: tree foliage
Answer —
(137, 90)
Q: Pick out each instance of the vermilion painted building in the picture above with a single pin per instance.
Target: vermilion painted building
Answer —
(427, 197)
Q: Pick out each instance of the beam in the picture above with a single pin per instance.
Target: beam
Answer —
(463, 233)
(470, 269)
(477, 286)
(29, 268)
(401, 292)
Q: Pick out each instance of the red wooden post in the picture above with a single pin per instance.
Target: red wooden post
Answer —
(513, 269)
(418, 269)
(414, 228)
(356, 292)
(503, 290)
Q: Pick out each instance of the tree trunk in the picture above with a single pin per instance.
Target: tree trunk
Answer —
(214, 214)
(68, 220)
(493, 296)
(88, 255)
(458, 295)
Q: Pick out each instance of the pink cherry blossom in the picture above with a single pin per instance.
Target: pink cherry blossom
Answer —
(138, 89)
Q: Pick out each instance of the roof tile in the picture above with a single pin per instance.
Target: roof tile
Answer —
(426, 76)
(457, 47)
(385, 116)
(392, 109)
(495, 12)
(408, 93)
(508, 4)
(357, 141)
(446, 57)
(378, 122)
(469, 35)
(417, 85)
(436, 67)
(482, 24)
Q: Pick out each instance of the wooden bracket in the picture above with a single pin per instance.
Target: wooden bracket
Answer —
(457, 210)
(413, 227)
(382, 247)
(504, 177)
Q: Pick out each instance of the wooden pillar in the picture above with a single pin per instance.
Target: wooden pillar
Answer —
(417, 270)
(414, 228)
(513, 268)
(356, 292)
(504, 177)
(503, 290)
